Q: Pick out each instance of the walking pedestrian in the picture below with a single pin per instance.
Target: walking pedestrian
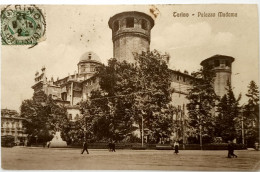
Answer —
(176, 147)
(85, 147)
(48, 144)
(231, 148)
(112, 146)
(232, 154)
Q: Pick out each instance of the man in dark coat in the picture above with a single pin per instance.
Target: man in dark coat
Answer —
(112, 146)
(85, 147)
(231, 148)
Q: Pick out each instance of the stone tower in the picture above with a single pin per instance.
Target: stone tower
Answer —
(131, 33)
(222, 66)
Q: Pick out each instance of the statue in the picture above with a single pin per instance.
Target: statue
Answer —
(57, 141)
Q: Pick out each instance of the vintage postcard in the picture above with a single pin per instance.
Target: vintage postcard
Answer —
(130, 87)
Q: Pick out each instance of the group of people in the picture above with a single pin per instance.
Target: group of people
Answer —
(111, 147)
(231, 148)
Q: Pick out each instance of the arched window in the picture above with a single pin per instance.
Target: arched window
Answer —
(92, 68)
(116, 25)
(70, 117)
(130, 22)
(144, 24)
(216, 63)
(228, 63)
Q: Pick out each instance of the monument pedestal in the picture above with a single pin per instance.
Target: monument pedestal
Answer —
(57, 141)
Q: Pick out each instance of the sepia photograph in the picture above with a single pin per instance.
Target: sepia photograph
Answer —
(130, 87)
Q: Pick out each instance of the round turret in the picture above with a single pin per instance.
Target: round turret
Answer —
(88, 63)
(222, 65)
(131, 33)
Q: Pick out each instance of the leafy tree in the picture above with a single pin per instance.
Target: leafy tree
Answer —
(128, 93)
(43, 117)
(202, 98)
(152, 101)
(251, 114)
(227, 114)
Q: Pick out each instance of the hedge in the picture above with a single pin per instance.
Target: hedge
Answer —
(138, 146)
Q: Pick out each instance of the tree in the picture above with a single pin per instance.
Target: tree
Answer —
(130, 92)
(227, 114)
(43, 117)
(152, 102)
(251, 114)
(107, 117)
(202, 98)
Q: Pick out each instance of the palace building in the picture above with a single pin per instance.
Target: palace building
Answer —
(11, 125)
(131, 33)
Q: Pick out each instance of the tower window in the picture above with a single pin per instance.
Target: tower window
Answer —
(92, 68)
(227, 63)
(144, 24)
(130, 22)
(116, 25)
(216, 63)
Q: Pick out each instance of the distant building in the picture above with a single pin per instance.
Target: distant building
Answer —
(71, 90)
(11, 124)
(131, 34)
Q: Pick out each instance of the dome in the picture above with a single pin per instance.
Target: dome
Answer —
(89, 56)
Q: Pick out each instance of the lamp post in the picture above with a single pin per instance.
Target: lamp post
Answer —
(142, 131)
(242, 127)
(85, 129)
(200, 137)
(200, 126)
(36, 139)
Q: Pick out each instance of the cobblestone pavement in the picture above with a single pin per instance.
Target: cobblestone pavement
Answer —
(23, 158)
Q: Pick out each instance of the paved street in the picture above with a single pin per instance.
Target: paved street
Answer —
(22, 158)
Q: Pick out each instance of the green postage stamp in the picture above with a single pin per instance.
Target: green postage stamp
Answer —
(22, 25)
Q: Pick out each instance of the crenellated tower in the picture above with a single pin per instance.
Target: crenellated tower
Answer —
(222, 65)
(131, 33)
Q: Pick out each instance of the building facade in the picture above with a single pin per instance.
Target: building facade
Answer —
(73, 89)
(131, 34)
(12, 125)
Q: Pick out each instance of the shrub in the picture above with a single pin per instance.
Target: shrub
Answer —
(7, 141)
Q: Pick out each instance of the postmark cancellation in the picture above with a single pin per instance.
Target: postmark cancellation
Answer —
(22, 25)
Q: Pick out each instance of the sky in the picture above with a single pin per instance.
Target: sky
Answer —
(72, 30)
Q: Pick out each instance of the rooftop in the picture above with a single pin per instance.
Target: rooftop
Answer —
(130, 13)
(89, 56)
(217, 57)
